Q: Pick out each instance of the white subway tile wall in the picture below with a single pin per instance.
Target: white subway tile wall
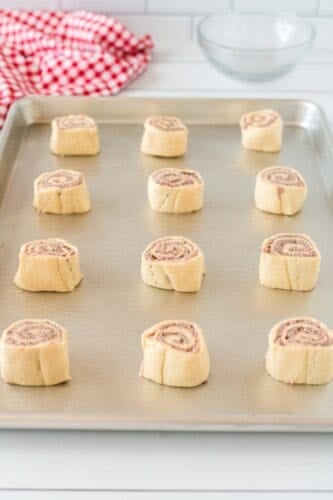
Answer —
(326, 7)
(163, 29)
(188, 6)
(32, 4)
(303, 7)
(174, 21)
(110, 6)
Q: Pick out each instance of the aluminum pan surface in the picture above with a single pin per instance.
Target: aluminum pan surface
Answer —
(106, 314)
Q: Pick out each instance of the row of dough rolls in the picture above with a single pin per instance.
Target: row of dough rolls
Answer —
(174, 351)
(34, 352)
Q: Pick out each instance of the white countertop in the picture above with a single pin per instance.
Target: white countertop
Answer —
(170, 465)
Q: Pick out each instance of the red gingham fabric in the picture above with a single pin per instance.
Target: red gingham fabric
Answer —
(62, 53)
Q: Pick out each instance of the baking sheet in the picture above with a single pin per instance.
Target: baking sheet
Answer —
(106, 314)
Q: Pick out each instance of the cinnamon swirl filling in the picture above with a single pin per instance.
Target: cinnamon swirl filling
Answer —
(60, 179)
(166, 123)
(303, 331)
(179, 335)
(75, 121)
(282, 176)
(290, 245)
(171, 249)
(32, 332)
(50, 247)
(176, 178)
(260, 119)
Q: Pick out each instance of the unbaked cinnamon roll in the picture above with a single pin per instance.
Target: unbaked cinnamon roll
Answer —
(34, 352)
(280, 190)
(173, 263)
(300, 351)
(290, 261)
(262, 130)
(50, 265)
(164, 136)
(61, 192)
(74, 135)
(175, 354)
(175, 191)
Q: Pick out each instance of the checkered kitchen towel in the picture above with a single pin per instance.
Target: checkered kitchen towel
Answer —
(60, 53)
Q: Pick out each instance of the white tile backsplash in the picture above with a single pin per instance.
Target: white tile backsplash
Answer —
(188, 6)
(324, 28)
(326, 8)
(109, 6)
(303, 7)
(32, 4)
(163, 29)
(174, 21)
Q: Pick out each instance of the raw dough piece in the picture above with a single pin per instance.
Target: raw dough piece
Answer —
(175, 354)
(50, 265)
(74, 135)
(300, 351)
(289, 261)
(34, 352)
(175, 191)
(173, 263)
(280, 190)
(262, 130)
(61, 192)
(164, 136)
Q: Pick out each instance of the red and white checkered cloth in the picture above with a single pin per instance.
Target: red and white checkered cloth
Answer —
(62, 53)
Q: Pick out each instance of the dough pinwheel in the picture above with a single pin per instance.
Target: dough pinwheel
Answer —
(61, 192)
(74, 135)
(175, 354)
(262, 130)
(300, 351)
(50, 265)
(34, 352)
(290, 261)
(175, 191)
(280, 190)
(173, 263)
(164, 136)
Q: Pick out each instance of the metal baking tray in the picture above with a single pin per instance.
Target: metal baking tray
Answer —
(106, 314)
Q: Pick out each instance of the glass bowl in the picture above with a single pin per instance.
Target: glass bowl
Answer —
(254, 46)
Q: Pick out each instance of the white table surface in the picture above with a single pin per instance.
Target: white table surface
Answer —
(126, 466)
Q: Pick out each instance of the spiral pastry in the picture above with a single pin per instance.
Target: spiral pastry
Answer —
(175, 191)
(173, 263)
(74, 135)
(300, 351)
(75, 121)
(289, 261)
(34, 352)
(175, 354)
(164, 136)
(280, 190)
(260, 119)
(262, 130)
(303, 331)
(61, 192)
(50, 265)
(166, 123)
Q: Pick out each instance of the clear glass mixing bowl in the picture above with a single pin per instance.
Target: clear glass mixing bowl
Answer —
(258, 46)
